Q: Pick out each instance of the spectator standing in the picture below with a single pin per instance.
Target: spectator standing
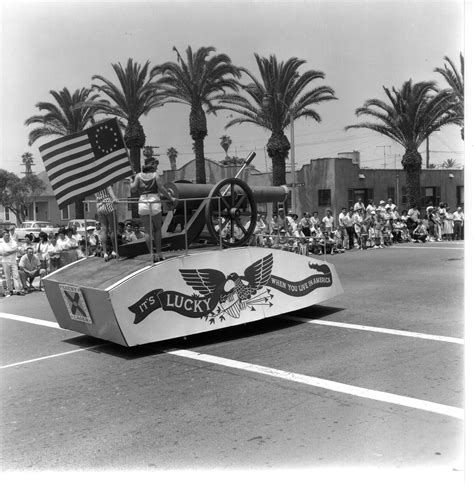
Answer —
(458, 223)
(8, 253)
(315, 222)
(328, 222)
(306, 225)
(449, 224)
(342, 227)
(54, 253)
(370, 206)
(350, 230)
(42, 251)
(413, 217)
(30, 268)
(359, 205)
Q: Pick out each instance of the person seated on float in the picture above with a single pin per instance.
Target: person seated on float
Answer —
(129, 234)
(146, 184)
(92, 242)
(29, 268)
(138, 232)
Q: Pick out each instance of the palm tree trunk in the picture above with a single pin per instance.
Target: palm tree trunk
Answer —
(200, 161)
(412, 163)
(198, 131)
(79, 208)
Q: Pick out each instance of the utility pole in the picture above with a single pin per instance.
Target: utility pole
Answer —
(427, 152)
(384, 158)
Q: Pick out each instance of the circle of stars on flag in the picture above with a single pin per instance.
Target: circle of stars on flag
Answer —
(106, 139)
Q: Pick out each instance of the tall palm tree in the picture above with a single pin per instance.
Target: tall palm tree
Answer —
(411, 115)
(226, 141)
(455, 79)
(172, 154)
(281, 94)
(132, 98)
(65, 117)
(196, 82)
(69, 115)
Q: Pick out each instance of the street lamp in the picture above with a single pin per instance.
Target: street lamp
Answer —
(266, 104)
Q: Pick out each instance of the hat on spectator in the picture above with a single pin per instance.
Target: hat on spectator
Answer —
(90, 227)
(373, 212)
(382, 202)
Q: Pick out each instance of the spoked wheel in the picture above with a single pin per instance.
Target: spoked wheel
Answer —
(233, 215)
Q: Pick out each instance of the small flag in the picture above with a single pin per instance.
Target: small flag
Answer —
(83, 163)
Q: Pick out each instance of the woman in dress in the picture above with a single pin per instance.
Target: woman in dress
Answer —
(449, 224)
(149, 205)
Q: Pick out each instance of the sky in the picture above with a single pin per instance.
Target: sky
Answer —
(361, 46)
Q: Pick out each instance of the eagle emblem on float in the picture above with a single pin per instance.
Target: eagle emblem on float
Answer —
(236, 292)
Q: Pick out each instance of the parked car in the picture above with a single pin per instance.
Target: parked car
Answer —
(81, 225)
(35, 227)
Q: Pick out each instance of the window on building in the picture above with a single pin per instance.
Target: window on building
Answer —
(391, 193)
(404, 195)
(65, 213)
(86, 207)
(354, 194)
(7, 214)
(430, 196)
(324, 198)
(460, 196)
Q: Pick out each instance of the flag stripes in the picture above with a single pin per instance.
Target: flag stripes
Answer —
(81, 164)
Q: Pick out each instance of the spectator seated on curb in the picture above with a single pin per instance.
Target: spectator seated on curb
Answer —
(30, 268)
(420, 232)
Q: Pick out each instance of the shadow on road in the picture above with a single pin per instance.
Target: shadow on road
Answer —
(211, 337)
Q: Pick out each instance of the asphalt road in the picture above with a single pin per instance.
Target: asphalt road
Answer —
(329, 395)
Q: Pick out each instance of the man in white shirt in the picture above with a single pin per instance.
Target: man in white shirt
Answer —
(342, 226)
(390, 205)
(8, 251)
(359, 205)
(458, 218)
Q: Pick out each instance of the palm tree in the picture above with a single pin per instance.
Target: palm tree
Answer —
(280, 95)
(196, 82)
(412, 114)
(449, 163)
(455, 79)
(172, 154)
(132, 98)
(69, 115)
(225, 143)
(27, 160)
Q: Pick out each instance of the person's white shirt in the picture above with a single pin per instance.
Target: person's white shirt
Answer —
(8, 250)
(358, 206)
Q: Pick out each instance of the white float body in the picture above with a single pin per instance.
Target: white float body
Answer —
(133, 302)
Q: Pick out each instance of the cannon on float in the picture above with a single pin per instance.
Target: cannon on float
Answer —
(133, 301)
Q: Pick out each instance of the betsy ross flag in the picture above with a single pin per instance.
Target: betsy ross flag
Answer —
(83, 163)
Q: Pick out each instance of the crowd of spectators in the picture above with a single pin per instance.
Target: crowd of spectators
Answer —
(359, 227)
(22, 262)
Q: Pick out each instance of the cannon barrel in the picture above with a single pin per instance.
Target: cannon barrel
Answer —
(261, 194)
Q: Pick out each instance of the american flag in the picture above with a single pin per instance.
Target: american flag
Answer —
(83, 163)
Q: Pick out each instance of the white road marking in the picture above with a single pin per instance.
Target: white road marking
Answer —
(326, 384)
(375, 329)
(295, 377)
(424, 247)
(50, 356)
(25, 319)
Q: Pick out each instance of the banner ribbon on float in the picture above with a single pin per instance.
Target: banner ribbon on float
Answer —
(199, 306)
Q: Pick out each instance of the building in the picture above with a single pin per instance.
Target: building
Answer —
(322, 183)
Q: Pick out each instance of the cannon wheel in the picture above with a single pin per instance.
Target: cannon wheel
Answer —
(238, 208)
